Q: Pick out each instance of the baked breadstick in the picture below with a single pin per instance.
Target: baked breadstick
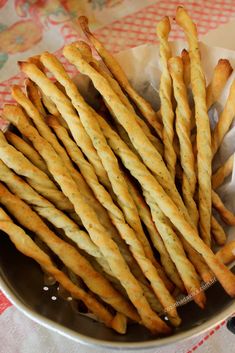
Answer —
(86, 52)
(66, 252)
(34, 96)
(48, 211)
(165, 93)
(27, 246)
(225, 120)
(34, 176)
(183, 124)
(217, 232)
(67, 111)
(186, 67)
(97, 232)
(138, 243)
(149, 183)
(106, 155)
(156, 239)
(204, 156)
(173, 245)
(223, 172)
(149, 154)
(227, 216)
(145, 108)
(29, 152)
(221, 74)
(227, 253)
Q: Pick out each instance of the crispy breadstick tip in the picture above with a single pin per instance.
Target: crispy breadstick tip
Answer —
(84, 49)
(164, 27)
(83, 21)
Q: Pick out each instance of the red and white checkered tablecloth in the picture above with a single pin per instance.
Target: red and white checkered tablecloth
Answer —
(120, 24)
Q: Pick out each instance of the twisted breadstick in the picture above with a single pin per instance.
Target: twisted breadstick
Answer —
(225, 214)
(67, 253)
(97, 232)
(183, 124)
(217, 232)
(221, 74)
(186, 67)
(227, 253)
(107, 157)
(159, 197)
(165, 92)
(204, 155)
(146, 218)
(144, 107)
(148, 153)
(67, 111)
(29, 152)
(34, 176)
(26, 245)
(225, 120)
(173, 245)
(48, 211)
(34, 96)
(138, 243)
(86, 52)
(223, 172)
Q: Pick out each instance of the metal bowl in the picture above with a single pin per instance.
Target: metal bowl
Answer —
(21, 280)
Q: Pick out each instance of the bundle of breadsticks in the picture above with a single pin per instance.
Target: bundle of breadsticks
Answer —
(122, 194)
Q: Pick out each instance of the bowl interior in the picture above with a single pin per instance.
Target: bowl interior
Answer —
(24, 279)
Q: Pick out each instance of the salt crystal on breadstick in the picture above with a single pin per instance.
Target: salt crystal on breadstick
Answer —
(112, 64)
(165, 93)
(204, 155)
(27, 246)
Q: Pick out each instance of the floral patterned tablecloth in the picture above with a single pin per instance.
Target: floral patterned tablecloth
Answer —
(27, 27)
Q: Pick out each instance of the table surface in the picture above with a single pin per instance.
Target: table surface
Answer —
(120, 24)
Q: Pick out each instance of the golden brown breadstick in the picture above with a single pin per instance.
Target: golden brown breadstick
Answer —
(144, 107)
(183, 124)
(217, 232)
(204, 155)
(69, 114)
(25, 148)
(146, 218)
(149, 154)
(26, 245)
(107, 157)
(225, 214)
(149, 183)
(173, 245)
(138, 243)
(86, 52)
(66, 252)
(221, 74)
(48, 211)
(34, 176)
(97, 232)
(34, 96)
(223, 172)
(225, 120)
(186, 66)
(227, 253)
(165, 93)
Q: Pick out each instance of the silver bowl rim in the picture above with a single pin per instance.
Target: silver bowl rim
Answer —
(95, 343)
